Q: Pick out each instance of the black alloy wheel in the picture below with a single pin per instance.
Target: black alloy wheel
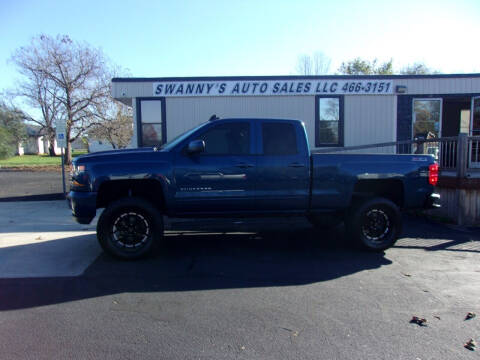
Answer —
(375, 224)
(130, 228)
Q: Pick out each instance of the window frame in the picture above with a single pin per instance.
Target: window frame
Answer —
(138, 106)
(341, 123)
(440, 119)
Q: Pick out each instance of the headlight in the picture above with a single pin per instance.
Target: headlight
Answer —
(79, 178)
(78, 168)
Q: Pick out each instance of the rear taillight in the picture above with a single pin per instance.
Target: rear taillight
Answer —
(433, 174)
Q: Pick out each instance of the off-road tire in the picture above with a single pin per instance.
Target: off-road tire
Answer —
(130, 228)
(374, 224)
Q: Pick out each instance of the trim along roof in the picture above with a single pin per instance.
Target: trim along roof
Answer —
(293, 77)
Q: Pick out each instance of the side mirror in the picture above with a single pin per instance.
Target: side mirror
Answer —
(196, 147)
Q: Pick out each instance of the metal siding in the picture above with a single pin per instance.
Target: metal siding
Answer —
(394, 116)
(185, 113)
(134, 141)
(421, 85)
(122, 90)
(459, 85)
(369, 119)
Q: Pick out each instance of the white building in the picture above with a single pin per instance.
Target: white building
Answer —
(337, 110)
(36, 142)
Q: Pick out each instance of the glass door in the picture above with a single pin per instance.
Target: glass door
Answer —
(427, 123)
(475, 131)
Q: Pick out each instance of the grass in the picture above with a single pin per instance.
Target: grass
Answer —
(36, 160)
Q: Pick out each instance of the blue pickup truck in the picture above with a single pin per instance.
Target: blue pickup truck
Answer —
(240, 168)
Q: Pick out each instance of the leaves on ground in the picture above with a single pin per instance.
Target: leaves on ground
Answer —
(470, 315)
(470, 345)
(419, 321)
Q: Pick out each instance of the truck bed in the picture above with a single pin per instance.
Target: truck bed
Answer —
(334, 177)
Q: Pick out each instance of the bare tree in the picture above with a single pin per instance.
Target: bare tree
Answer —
(321, 63)
(304, 65)
(41, 93)
(318, 64)
(117, 124)
(73, 74)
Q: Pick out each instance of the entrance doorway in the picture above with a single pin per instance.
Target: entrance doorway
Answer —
(456, 115)
(475, 131)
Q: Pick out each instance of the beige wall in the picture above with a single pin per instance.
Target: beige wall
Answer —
(370, 119)
(184, 113)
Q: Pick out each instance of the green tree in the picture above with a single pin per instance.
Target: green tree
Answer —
(12, 121)
(6, 143)
(360, 66)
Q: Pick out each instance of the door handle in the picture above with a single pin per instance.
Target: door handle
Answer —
(296, 165)
(244, 165)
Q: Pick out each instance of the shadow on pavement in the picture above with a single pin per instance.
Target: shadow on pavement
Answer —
(200, 260)
(420, 233)
(40, 197)
(203, 255)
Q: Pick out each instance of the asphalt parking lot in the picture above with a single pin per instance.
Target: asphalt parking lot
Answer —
(234, 289)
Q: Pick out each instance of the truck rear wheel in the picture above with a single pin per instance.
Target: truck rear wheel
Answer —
(129, 228)
(375, 224)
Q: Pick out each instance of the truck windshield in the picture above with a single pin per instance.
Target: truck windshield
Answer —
(178, 139)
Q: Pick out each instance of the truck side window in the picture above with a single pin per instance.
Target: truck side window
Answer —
(279, 139)
(227, 139)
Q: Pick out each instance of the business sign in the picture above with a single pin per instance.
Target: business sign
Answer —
(272, 87)
(61, 133)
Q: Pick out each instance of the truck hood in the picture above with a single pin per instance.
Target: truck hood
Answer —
(116, 156)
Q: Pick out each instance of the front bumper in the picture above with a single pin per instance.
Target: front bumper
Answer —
(83, 205)
(433, 201)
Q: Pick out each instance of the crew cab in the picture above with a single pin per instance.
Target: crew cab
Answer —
(241, 168)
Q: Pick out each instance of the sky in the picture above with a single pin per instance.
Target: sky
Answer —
(259, 37)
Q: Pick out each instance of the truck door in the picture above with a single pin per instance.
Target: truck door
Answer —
(222, 178)
(283, 176)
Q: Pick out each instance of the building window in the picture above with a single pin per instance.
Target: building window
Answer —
(150, 117)
(329, 121)
(427, 115)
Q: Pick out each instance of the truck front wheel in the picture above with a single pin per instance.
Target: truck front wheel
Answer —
(129, 228)
(375, 224)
